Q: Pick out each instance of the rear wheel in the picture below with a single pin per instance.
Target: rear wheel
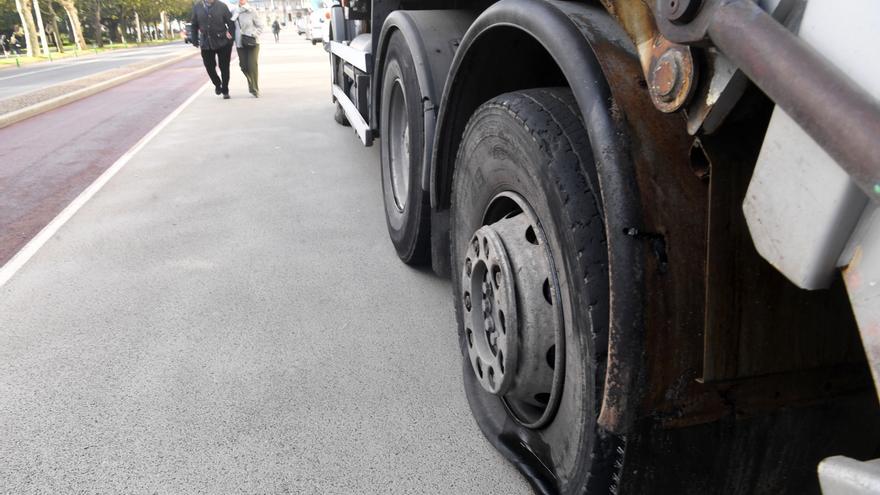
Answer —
(402, 137)
(530, 283)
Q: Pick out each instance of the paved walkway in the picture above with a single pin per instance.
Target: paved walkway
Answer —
(227, 315)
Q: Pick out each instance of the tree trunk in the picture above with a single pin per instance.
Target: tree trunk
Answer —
(20, 9)
(165, 26)
(97, 30)
(123, 28)
(41, 28)
(30, 27)
(73, 15)
(54, 23)
(112, 32)
(137, 26)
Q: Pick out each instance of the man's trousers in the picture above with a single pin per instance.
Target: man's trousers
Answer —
(220, 56)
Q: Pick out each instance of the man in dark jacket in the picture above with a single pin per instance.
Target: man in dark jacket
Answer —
(213, 22)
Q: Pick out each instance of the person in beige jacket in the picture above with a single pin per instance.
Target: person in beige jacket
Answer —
(248, 28)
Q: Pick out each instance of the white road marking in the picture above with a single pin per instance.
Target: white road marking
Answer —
(67, 63)
(65, 66)
(30, 249)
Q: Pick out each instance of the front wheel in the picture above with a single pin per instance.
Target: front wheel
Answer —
(531, 289)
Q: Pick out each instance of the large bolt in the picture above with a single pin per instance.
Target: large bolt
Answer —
(666, 76)
(679, 11)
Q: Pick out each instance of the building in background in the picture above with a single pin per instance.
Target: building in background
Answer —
(286, 11)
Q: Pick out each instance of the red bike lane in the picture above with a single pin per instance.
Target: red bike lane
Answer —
(49, 159)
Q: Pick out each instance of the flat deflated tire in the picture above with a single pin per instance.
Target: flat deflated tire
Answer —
(531, 292)
(402, 137)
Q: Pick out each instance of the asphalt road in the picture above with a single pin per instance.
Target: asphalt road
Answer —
(17, 81)
(227, 315)
(49, 159)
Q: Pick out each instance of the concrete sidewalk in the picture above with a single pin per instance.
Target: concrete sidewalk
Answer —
(228, 315)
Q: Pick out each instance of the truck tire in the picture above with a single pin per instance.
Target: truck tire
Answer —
(531, 290)
(339, 116)
(402, 136)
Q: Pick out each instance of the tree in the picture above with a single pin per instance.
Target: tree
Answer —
(97, 27)
(25, 10)
(53, 22)
(41, 28)
(70, 8)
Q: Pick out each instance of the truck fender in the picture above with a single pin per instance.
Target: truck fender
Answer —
(582, 40)
(432, 36)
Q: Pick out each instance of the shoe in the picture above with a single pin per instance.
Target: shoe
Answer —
(255, 93)
(217, 90)
(225, 96)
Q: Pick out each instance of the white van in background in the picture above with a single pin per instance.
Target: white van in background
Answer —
(318, 23)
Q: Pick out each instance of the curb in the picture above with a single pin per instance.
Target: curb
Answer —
(53, 103)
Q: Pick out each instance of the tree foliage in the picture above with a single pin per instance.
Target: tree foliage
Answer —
(117, 17)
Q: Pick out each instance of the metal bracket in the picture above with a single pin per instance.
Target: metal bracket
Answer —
(774, 58)
(354, 117)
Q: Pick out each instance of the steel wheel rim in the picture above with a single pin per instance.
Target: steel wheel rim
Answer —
(398, 140)
(510, 299)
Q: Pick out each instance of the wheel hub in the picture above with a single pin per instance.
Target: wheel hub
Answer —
(399, 150)
(513, 324)
(489, 301)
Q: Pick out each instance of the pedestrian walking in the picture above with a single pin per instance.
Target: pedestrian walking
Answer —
(276, 28)
(248, 28)
(15, 40)
(213, 22)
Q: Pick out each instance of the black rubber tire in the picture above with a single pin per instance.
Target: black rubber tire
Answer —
(339, 116)
(533, 143)
(408, 227)
(314, 42)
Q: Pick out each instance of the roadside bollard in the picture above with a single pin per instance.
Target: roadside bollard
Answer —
(17, 61)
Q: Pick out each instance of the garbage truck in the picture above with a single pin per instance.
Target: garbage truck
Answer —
(660, 221)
